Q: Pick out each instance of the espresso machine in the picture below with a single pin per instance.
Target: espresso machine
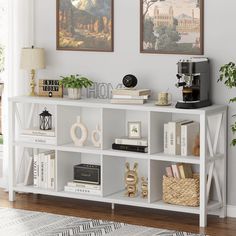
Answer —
(194, 79)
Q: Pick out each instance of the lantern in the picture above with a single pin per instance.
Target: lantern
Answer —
(45, 120)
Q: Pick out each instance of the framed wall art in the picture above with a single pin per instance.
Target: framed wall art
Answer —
(171, 26)
(134, 130)
(85, 25)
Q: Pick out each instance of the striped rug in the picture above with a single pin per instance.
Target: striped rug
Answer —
(15, 222)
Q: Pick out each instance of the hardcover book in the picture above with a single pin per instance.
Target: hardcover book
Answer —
(132, 148)
(131, 92)
(82, 190)
(127, 101)
(127, 141)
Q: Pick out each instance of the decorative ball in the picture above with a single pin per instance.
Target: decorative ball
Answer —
(130, 81)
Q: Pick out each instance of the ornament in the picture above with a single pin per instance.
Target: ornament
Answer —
(96, 137)
(131, 180)
(144, 187)
(84, 133)
(45, 120)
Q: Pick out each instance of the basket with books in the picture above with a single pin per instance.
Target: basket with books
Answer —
(181, 190)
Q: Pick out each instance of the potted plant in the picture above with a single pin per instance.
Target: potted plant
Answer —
(74, 84)
(228, 77)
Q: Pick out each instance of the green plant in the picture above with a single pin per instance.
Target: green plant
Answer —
(75, 81)
(228, 77)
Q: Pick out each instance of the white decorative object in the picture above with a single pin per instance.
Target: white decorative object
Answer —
(96, 137)
(74, 93)
(84, 133)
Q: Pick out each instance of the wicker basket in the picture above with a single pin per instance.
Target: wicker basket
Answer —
(183, 192)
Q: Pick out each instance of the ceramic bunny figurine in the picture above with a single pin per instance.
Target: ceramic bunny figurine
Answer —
(131, 180)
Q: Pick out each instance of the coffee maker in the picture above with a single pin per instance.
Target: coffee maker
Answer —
(194, 79)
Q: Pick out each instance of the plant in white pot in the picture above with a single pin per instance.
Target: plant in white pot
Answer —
(74, 84)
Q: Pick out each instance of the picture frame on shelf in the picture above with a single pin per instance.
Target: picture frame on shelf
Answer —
(134, 130)
(85, 27)
(172, 27)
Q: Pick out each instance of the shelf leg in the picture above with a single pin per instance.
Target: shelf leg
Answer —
(203, 179)
(12, 196)
(113, 206)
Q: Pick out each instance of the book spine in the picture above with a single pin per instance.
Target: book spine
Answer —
(38, 133)
(131, 142)
(171, 138)
(85, 186)
(129, 97)
(131, 148)
(36, 171)
(184, 140)
(41, 170)
(166, 137)
(52, 172)
(82, 190)
(169, 172)
(38, 139)
(175, 171)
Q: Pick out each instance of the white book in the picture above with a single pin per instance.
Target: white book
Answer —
(174, 142)
(36, 170)
(41, 170)
(189, 132)
(136, 142)
(82, 190)
(37, 139)
(127, 101)
(130, 97)
(166, 138)
(51, 171)
(39, 132)
(86, 186)
(29, 176)
(45, 171)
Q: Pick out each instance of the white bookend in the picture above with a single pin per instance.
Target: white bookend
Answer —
(37, 139)
(127, 141)
(174, 142)
(86, 186)
(82, 190)
(36, 170)
(29, 176)
(166, 138)
(189, 132)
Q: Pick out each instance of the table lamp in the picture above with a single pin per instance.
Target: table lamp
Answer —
(32, 59)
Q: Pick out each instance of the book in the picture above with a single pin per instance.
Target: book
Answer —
(85, 186)
(189, 132)
(132, 148)
(174, 142)
(51, 173)
(41, 170)
(175, 171)
(145, 97)
(36, 170)
(38, 139)
(166, 138)
(131, 92)
(127, 141)
(169, 172)
(82, 190)
(38, 132)
(127, 101)
(185, 171)
(29, 176)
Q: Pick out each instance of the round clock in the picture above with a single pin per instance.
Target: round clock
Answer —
(130, 81)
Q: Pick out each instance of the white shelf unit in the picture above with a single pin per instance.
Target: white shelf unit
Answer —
(113, 123)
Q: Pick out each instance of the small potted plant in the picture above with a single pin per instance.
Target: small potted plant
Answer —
(228, 77)
(74, 84)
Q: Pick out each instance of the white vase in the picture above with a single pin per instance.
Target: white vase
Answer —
(74, 93)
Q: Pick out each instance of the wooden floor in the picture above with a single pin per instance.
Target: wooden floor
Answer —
(130, 215)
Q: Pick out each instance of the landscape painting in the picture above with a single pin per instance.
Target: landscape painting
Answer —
(85, 25)
(172, 26)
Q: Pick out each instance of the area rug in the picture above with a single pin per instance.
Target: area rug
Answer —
(15, 222)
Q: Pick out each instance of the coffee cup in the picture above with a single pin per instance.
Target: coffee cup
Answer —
(164, 99)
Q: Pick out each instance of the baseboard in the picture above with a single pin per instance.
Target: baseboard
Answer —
(231, 211)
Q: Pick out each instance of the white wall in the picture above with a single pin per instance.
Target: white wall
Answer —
(153, 71)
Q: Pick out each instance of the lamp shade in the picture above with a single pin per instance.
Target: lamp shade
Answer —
(32, 58)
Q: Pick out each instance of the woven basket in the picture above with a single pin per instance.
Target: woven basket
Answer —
(183, 192)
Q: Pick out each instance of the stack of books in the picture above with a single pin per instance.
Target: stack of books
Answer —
(43, 170)
(133, 145)
(179, 137)
(82, 188)
(35, 135)
(180, 171)
(130, 96)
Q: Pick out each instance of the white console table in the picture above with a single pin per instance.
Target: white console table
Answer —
(112, 120)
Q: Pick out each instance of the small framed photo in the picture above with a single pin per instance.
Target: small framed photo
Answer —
(134, 129)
